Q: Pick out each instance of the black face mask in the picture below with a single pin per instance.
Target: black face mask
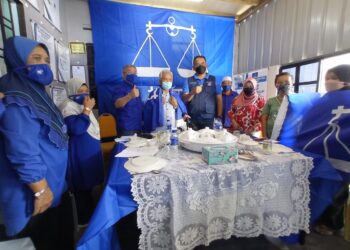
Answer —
(248, 91)
(200, 69)
(284, 88)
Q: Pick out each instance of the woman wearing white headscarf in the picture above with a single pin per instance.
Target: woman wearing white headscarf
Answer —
(85, 168)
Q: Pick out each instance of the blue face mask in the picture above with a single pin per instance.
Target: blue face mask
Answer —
(167, 85)
(226, 88)
(79, 98)
(40, 73)
(132, 78)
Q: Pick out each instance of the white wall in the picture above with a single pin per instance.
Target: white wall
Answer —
(288, 31)
(76, 17)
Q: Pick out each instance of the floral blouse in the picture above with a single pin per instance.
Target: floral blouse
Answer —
(248, 117)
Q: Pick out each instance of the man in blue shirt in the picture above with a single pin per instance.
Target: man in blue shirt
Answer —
(228, 95)
(202, 95)
(128, 103)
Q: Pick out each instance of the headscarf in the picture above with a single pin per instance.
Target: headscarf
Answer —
(342, 72)
(242, 99)
(69, 107)
(22, 91)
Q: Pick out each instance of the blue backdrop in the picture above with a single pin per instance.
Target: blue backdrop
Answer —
(174, 38)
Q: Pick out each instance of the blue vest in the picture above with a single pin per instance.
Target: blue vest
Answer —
(203, 105)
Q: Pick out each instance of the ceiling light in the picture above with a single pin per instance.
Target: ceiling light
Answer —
(197, 1)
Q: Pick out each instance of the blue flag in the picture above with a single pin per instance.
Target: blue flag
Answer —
(155, 39)
(320, 125)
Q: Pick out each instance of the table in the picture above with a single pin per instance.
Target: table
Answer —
(117, 201)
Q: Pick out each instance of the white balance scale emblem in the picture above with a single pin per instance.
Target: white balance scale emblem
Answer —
(172, 30)
(333, 127)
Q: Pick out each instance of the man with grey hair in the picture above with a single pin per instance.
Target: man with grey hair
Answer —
(128, 103)
(163, 105)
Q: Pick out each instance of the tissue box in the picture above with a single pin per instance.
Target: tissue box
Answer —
(216, 155)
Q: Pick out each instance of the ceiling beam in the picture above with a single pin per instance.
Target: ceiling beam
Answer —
(251, 11)
(164, 6)
(246, 2)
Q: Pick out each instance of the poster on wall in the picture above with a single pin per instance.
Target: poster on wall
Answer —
(52, 12)
(58, 94)
(63, 62)
(34, 3)
(237, 82)
(261, 78)
(43, 36)
(78, 71)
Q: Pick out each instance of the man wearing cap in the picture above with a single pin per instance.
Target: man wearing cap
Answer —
(228, 95)
(202, 96)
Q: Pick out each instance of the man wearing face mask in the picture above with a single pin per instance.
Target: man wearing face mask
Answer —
(269, 113)
(202, 95)
(227, 97)
(128, 103)
(163, 104)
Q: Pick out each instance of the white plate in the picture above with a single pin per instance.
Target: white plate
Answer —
(144, 164)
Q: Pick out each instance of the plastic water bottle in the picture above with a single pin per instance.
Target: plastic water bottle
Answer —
(168, 125)
(217, 124)
(174, 140)
(168, 130)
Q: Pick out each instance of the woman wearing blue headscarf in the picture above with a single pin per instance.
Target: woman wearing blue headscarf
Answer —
(85, 168)
(33, 150)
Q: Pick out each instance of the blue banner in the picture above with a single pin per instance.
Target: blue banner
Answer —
(154, 39)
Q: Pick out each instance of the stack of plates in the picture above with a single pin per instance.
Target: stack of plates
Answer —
(144, 164)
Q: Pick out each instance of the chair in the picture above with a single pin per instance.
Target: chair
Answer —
(108, 133)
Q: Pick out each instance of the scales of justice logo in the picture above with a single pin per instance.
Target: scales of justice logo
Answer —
(332, 128)
(172, 30)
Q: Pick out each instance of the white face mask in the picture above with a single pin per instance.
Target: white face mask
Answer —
(332, 85)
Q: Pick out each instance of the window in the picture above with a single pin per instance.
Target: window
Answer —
(9, 25)
(305, 74)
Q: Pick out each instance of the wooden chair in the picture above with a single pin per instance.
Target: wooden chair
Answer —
(108, 132)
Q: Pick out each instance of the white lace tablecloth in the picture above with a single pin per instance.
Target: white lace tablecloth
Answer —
(190, 203)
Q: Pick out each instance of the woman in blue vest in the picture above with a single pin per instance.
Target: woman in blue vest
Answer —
(163, 105)
(85, 167)
(33, 150)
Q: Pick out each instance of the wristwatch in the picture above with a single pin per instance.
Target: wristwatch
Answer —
(87, 109)
(39, 193)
